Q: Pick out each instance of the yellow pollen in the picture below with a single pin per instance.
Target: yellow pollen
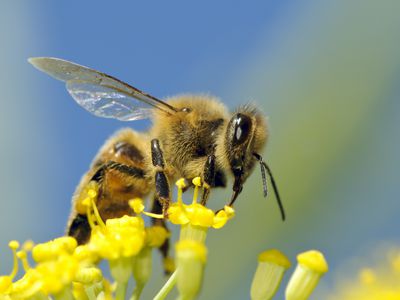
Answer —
(92, 193)
(137, 205)
(274, 256)
(14, 245)
(229, 211)
(197, 181)
(181, 184)
(28, 245)
(313, 260)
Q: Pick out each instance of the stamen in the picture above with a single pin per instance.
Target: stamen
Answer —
(197, 183)
(24, 259)
(14, 245)
(138, 207)
(180, 185)
(89, 215)
(153, 215)
(97, 215)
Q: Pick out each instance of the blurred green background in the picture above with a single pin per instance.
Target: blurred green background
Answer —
(325, 72)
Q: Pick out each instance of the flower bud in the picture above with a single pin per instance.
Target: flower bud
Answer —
(311, 266)
(271, 266)
(142, 265)
(190, 261)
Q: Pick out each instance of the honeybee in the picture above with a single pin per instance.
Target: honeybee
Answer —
(191, 136)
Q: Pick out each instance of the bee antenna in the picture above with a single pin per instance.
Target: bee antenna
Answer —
(264, 167)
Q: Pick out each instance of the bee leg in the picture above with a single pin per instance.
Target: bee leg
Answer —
(112, 165)
(208, 178)
(161, 180)
(164, 248)
(80, 229)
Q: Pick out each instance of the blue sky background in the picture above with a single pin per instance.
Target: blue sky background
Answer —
(326, 74)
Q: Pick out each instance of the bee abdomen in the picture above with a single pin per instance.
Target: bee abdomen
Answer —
(128, 150)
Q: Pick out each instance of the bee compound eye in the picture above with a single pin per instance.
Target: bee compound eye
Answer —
(242, 128)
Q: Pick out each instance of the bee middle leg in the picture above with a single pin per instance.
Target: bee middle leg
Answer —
(163, 194)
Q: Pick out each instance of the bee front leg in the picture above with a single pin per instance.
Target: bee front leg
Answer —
(208, 178)
(161, 181)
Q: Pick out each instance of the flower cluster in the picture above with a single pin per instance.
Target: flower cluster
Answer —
(379, 280)
(64, 270)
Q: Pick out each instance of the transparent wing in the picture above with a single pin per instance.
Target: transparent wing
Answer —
(99, 93)
(106, 102)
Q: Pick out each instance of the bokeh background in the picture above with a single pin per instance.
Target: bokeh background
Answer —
(326, 73)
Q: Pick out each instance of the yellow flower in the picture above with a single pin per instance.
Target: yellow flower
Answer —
(381, 280)
(29, 285)
(86, 255)
(123, 237)
(195, 213)
(57, 274)
(156, 236)
(51, 275)
(52, 249)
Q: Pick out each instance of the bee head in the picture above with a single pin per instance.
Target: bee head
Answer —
(246, 134)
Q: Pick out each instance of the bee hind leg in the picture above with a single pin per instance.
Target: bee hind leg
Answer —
(80, 229)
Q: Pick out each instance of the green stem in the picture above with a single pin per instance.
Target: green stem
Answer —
(167, 287)
(65, 294)
(39, 296)
(183, 298)
(137, 292)
(121, 290)
(90, 292)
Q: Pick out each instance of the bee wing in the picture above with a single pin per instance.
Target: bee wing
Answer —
(99, 93)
